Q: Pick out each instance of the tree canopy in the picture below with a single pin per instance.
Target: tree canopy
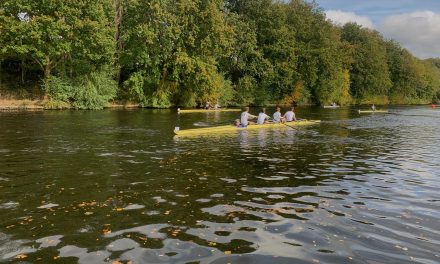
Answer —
(163, 53)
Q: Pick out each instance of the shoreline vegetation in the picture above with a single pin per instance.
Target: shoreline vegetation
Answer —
(42, 105)
(162, 54)
(39, 105)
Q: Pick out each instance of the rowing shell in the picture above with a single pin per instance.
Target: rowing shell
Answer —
(372, 111)
(231, 128)
(187, 111)
(331, 106)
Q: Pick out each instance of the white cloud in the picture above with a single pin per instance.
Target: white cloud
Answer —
(341, 18)
(419, 32)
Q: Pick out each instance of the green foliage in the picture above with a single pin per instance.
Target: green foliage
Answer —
(59, 89)
(68, 37)
(369, 72)
(245, 90)
(149, 94)
(172, 50)
(414, 81)
(135, 87)
(165, 53)
(92, 91)
(56, 105)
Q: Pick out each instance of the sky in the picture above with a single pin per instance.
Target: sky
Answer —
(415, 24)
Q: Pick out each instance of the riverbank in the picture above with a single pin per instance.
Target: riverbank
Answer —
(7, 104)
(39, 105)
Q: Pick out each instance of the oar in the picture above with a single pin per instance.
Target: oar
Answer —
(295, 121)
(288, 125)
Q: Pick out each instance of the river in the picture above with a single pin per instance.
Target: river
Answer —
(115, 185)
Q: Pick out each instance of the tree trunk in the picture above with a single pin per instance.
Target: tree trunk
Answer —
(22, 68)
(1, 75)
(118, 23)
(47, 73)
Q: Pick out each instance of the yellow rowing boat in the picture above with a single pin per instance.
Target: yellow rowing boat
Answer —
(372, 111)
(187, 111)
(231, 128)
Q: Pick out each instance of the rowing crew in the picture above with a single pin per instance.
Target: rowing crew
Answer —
(263, 118)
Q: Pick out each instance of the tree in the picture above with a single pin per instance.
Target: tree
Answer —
(52, 33)
(172, 49)
(322, 57)
(370, 77)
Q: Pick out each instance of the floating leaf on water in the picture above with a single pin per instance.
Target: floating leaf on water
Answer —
(20, 256)
(83, 204)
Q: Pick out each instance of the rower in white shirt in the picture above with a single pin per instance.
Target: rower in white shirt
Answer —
(262, 117)
(277, 116)
(245, 116)
(289, 116)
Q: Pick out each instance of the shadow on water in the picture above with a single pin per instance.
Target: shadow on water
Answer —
(101, 186)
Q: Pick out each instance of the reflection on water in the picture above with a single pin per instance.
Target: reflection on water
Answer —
(101, 186)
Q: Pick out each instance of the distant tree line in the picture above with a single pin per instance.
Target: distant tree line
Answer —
(163, 53)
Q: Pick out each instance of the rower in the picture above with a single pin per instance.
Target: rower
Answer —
(289, 116)
(262, 117)
(277, 116)
(245, 116)
(373, 107)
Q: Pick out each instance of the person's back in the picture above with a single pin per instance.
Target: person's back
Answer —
(277, 116)
(262, 117)
(245, 116)
(290, 115)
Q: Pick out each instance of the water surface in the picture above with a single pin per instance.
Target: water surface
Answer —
(100, 186)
